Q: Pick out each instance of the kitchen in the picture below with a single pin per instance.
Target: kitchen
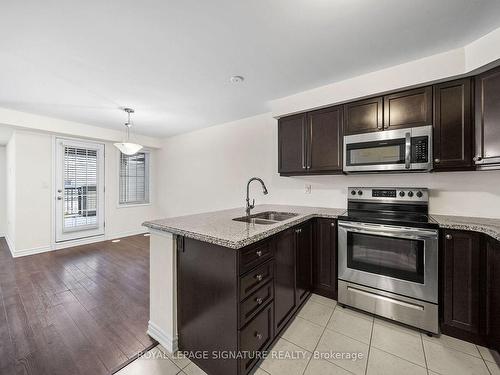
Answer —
(268, 188)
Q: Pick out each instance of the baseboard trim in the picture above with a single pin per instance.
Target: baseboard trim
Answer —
(64, 245)
(10, 244)
(165, 340)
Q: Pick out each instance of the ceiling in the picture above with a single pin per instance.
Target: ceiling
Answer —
(172, 60)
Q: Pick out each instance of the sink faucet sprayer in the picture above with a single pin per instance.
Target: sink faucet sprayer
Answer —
(264, 190)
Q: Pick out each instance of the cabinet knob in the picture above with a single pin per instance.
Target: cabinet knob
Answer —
(477, 158)
(298, 230)
(258, 335)
(259, 300)
(332, 224)
(259, 253)
(259, 277)
(449, 237)
(437, 161)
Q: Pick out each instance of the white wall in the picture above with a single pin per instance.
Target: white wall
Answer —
(3, 191)
(11, 191)
(31, 193)
(208, 170)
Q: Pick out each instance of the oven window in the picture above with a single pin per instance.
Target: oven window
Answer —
(370, 153)
(400, 258)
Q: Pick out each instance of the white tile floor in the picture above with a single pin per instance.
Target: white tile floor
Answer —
(322, 327)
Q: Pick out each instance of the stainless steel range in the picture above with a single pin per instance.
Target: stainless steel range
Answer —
(388, 255)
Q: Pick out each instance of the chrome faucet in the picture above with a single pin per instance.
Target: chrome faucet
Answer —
(264, 190)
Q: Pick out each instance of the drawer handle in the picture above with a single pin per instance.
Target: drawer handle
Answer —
(259, 277)
(259, 253)
(258, 335)
(259, 300)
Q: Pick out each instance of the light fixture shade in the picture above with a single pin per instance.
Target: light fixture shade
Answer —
(128, 148)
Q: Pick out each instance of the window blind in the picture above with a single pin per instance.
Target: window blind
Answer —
(80, 187)
(134, 178)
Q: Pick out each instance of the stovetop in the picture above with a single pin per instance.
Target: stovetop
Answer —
(399, 218)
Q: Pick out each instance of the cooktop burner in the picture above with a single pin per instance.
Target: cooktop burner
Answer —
(389, 206)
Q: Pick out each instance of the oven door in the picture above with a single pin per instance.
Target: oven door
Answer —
(400, 260)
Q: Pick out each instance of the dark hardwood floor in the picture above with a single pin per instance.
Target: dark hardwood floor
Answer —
(82, 310)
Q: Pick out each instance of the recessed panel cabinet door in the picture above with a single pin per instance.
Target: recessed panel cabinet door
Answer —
(408, 108)
(325, 140)
(488, 117)
(284, 278)
(453, 133)
(291, 144)
(461, 288)
(325, 258)
(363, 116)
(304, 261)
(493, 293)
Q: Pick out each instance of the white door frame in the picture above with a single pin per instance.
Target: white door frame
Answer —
(61, 235)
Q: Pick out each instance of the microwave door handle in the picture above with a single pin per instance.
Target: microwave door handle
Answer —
(408, 150)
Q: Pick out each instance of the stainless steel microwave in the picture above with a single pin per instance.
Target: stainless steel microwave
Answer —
(389, 150)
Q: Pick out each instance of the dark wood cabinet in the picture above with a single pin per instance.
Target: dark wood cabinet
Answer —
(324, 140)
(292, 144)
(311, 143)
(285, 298)
(408, 108)
(487, 123)
(453, 130)
(325, 258)
(461, 284)
(304, 261)
(363, 116)
(493, 293)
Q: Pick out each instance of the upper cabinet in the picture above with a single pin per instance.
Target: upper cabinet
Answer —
(408, 108)
(453, 130)
(363, 116)
(291, 144)
(488, 119)
(311, 143)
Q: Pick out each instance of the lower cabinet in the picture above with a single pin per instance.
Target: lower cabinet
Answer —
(238, 301)
(471, 287)
(325, 257)
(461, 284)
(493, 293)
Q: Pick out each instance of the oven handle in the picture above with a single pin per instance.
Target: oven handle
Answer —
(389, 231)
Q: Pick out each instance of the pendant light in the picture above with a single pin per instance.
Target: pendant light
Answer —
(127, 147)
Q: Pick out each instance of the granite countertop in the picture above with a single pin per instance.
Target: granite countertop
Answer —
(218, 227)
(488, 226)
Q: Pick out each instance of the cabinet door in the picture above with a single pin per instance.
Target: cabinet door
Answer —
(284, 278)
(461, 290)
(291, 144)
(453, 138)
(304, 261)
(363, 116)
(325, 140)
(325, 258)
(488, 117)
(493, 293)
(408, 108)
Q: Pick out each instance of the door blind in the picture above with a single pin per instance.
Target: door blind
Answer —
(80, 188)
(134, 186)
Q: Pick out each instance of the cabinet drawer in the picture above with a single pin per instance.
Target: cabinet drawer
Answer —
(256, 336)
(255, 302)
(256, 278)
(255, 255)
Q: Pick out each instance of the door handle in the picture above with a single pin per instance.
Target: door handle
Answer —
(408, 150)
(59, 198)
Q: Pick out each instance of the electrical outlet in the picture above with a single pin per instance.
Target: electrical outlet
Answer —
(308, 189)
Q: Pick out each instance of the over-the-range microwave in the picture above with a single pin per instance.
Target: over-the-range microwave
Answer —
(389, 150)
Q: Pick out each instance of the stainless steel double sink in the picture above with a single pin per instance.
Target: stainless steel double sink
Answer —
(267, 217)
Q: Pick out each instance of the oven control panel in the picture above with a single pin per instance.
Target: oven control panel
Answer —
(409, 194)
